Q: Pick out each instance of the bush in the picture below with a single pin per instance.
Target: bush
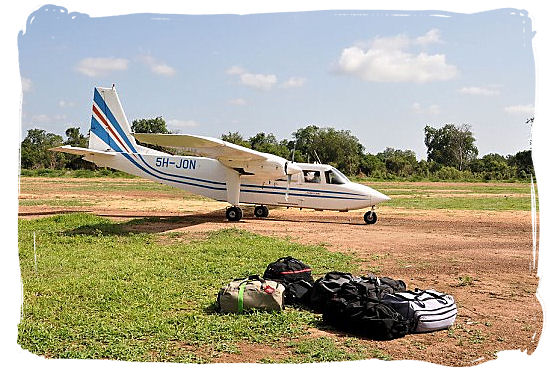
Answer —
(448, 173)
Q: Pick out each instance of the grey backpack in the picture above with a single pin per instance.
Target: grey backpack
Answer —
(427, 310)
(252, 292)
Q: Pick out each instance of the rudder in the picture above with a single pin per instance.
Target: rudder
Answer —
(110, 130)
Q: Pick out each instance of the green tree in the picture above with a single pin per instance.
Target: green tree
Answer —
(235, 138)
(150, 126)
(523, 163)
(399, 162)
(338, 148)
(75, 138)
(269, 144)
(372, 165)
(450, 145)
(304, 138)
(35, 153)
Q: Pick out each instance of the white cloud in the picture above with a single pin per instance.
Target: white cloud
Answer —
(235, 70)
(177, 123)
(258, 81)
(388, 60)
(156, 66)
(94, 67)
(44, 118)
(478, 90)
(520, 109)
(237, 101)
(432, 109)
(40, 118)
(64, 104)
(26, 84)
(433, 36)
(294, 82)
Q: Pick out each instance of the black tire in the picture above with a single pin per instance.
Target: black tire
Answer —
(370, 218)
(261, 211)
(234, 213)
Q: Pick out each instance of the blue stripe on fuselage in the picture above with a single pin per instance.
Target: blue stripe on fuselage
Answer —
(303, 189)
(300, 194)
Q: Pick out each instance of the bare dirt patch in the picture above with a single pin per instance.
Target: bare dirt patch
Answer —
(483, 258)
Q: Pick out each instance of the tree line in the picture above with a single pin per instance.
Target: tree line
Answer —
(451, 153)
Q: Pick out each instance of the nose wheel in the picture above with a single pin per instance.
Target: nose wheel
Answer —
(261, 211)
(370, 217)
(234, 213)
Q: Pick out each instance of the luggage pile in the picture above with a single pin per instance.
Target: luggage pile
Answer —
(370, 306)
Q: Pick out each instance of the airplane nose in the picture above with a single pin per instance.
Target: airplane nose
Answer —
(378, 197)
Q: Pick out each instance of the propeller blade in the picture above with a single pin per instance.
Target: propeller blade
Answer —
(288, 177)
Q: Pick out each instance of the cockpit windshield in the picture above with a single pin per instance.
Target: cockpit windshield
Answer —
(333, 176)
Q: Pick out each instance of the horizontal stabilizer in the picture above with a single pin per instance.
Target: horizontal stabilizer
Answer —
(81, 151)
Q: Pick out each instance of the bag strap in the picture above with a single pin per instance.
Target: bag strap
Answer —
(414, 299)
(439, 297)
(240, 296)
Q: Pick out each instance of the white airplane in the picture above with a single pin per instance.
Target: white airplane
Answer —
(218, 170)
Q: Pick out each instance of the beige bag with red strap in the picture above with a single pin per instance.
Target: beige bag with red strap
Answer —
(252, 292)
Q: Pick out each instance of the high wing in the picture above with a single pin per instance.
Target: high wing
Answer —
(244, 160)
(203, 146)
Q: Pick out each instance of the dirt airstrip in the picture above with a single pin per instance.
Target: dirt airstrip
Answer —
(485, 259)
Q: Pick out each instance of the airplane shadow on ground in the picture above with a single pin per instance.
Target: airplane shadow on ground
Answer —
(140, 223)
(145, 224)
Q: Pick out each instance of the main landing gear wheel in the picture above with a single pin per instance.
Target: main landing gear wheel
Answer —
(261, 211)
(234, 213)
(370, 217)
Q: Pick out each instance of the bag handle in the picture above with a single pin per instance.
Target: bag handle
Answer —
(285, 258)
(414, 299)
(242, 286)
(439, 297)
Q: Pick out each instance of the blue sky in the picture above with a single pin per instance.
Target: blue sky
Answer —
(383, 75)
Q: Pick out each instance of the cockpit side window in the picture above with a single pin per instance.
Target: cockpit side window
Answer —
(312, 176)
(334, 176)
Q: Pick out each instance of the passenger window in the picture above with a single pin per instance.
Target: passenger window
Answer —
(312, 176)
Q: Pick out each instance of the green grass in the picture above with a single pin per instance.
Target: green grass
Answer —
(470, 203)
(322, 349)
(99, 185)
(103, 172)
(54, 202)
(101, 291)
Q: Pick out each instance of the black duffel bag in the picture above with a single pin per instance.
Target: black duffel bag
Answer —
(371, 286)
(365, 317)
(326, 288)
(294, 275)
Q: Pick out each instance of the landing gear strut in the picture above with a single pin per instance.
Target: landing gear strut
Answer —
(261, 211)
(370, 217)
(234, 213)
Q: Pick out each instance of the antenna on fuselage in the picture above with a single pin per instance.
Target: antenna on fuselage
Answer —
(318, 161)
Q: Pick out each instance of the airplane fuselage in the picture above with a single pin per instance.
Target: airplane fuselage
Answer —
(209, 178)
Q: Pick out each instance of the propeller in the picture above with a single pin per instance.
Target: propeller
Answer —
(290, 169)
(288, 178)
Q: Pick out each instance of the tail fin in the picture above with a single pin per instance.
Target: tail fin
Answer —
(110, 130)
